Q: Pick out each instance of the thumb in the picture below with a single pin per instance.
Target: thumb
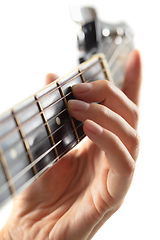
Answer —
(133, 76)
(50, 77)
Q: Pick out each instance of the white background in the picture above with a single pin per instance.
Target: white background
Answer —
(37, 37)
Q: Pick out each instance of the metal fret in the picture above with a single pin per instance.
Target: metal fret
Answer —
(27, 147)
(106, 68)
(93, 69)
(81, 74)
(7, 172)
(47, 126)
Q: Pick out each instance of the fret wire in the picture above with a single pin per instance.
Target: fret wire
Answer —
(106, 69)
(82, 77)
(15, 129)
(25, 142)
(31, 165)
(47, 125)
(10, 183)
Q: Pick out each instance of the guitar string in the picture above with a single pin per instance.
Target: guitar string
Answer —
(51, 149)
(37, 100)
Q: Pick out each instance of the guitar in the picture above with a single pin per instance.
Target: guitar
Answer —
(38, 132)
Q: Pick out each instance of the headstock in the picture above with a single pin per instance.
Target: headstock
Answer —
(94, 36)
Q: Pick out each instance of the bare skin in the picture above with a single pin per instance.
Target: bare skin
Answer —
(76, 196)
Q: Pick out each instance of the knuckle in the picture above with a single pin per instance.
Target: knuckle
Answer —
(103, 111)
(135, 116)
(134, 144)
(108, 85)
(136, 140)
(131, 168)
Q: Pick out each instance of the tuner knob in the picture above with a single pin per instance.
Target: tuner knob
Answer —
(82, 15)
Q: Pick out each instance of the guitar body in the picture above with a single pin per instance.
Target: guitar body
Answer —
(39, 131)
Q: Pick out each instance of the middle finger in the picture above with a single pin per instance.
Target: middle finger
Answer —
(107, 119)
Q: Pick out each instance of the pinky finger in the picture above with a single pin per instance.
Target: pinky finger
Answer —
(122, 164)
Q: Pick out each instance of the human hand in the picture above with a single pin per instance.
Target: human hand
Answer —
(75, 197)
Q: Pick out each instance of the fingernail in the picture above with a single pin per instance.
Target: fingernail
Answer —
(93, 127)
(77, 105)
(82, 87)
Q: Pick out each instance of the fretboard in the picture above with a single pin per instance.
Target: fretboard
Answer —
(38, 132)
